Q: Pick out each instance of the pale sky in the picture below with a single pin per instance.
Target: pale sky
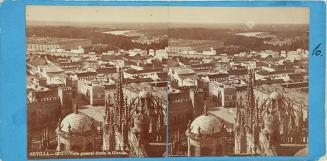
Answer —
(154, 14)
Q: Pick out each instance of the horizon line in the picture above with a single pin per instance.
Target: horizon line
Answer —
(62, 23)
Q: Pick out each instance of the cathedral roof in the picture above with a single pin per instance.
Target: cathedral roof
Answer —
(78, 122)
(274, 95)
(206, 124)
(144, 94)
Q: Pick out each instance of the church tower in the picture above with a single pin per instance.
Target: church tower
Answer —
(65, 94)
(247, 123)
(108, 130)
(239, 131)
(119, 109)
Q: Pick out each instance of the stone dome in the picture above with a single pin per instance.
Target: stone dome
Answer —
(77, 122)
(274, 96)
(208, 125)
(144, 94)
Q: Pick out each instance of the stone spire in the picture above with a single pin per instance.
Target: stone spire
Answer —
(59, 124)
(250, 89)
(189, 125)
(120, 97)
(107, 111)
(238, 119)
(108, 131)
(250, 101)
(205, 109)
(124, 133)
(76, 109)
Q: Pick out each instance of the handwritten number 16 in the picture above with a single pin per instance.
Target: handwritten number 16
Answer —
(316, 50)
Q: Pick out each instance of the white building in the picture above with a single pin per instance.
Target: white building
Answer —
(79, 50)
(161, 54)
(184, 75)
(210, 52)
(151, 52)
(91, 91)
(52, 73)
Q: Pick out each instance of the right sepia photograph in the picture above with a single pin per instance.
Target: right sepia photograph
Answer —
(238, 81)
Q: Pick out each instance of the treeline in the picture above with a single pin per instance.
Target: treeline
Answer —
(234, 44)
(113, 42)
(198, 33)
(155, 32)
(257, 44)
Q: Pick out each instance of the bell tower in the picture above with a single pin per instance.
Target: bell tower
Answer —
(65, 94)
(108, 130)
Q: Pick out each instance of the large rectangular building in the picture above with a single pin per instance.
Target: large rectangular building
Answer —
(46, 43)
(92, 92)
(224, 92)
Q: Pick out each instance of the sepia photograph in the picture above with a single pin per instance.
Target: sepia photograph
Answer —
(96, 81)
(166, 81)
(238, 81)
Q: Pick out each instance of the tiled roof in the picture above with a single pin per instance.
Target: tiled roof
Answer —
(37, 62)
(64, 64)
(108, 57)
(240, 71)
(86, 74)
(218, 75)
(107, 70)
(137, 80)
(265, 73)
(133, 71)
(163, 75)
(51, 68)
(184, 70)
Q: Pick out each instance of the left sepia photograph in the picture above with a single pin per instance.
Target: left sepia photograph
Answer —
(96, 81)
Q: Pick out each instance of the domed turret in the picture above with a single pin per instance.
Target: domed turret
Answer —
(208, 125)
(205, 136)
(76, 125)
(76, 122)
